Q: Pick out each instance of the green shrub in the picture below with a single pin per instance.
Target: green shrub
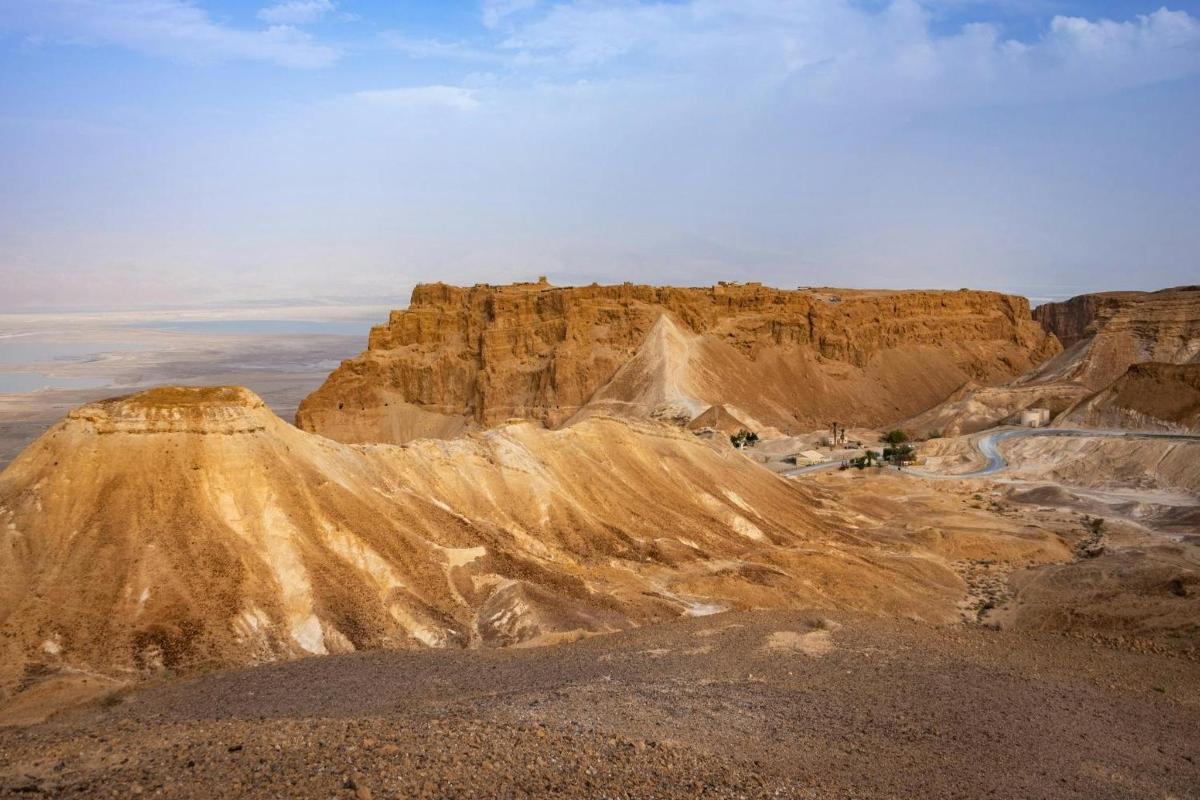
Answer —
(744, 438)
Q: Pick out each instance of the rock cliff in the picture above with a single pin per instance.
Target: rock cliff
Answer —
(1070, 320)
(1148, 396)
(460, 358)
(1104, 334)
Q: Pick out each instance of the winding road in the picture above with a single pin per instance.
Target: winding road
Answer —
(988, 446)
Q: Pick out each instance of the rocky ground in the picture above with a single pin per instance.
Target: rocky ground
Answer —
(755, 704)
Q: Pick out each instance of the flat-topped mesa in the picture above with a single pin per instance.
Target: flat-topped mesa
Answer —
(843, 324)
(176, 409)
(463, 357)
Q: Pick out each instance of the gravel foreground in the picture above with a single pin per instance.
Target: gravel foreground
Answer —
(763, 704)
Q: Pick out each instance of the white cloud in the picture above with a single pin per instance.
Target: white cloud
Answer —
(454, 97)
(169, 28)
(295, 12)
(495, 11)
(837, 51)
(685, 140)
(439, 49)
(1158, 46)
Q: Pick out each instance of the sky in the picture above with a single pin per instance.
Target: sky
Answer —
(176, 152)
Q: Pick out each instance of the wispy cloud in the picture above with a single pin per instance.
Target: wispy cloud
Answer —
(496, 11)
(439, 49)
(454, 97)
(794, 141)
(296, 12)
(168, 28)
(839, 51)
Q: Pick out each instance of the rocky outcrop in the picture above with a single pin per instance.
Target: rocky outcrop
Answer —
(1104, 334)
(460, 358)
(1070, 320)
(1148, 396)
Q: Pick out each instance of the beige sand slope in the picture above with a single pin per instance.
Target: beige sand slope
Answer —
(180, 528)
(1106, 336)
(1105, 333)
(1148, 396)
(718, 418)
(975, 408)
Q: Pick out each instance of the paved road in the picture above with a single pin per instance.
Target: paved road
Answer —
(988, 446)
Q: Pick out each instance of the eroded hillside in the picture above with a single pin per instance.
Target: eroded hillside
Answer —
(1118, 368)
(183, 528)
(1148, 396)
(1104, 334)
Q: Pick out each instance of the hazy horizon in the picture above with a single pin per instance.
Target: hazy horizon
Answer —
(163, 153)
(319, 307)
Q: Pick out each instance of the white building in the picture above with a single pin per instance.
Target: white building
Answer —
(807, 458)
(1035, 417)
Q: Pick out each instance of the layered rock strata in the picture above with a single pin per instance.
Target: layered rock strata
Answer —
(462, 358)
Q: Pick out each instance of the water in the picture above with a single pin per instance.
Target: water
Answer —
(175, 350)
(21, 382)
(278, 327)
(23, 350)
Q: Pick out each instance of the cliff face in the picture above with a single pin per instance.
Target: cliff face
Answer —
(468, 357)
(1104, 334)
(1069, 320)
(1148, 396)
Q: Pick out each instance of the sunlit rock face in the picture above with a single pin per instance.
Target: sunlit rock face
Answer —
(1104, 334)
(461, 358)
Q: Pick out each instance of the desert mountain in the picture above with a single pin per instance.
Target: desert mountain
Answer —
(185, 527)
(466, 358)
(1105, 335)
(1148, 396)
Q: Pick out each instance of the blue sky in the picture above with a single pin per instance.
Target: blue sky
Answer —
(166, 152)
